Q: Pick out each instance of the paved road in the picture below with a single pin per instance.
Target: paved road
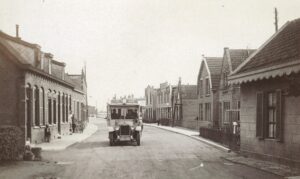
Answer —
(162, 154)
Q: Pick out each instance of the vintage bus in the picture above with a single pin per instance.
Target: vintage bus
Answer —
(124, 122)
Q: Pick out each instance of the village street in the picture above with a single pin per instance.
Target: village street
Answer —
(162, 154)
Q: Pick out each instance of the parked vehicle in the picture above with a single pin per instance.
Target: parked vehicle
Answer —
(124, 122)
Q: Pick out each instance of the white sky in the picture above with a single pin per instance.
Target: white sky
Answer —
(128, 44)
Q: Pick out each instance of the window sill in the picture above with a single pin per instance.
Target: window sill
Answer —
(269, 139)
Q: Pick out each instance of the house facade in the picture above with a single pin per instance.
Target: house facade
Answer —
(163, 103)
(207, 91)
(185, 106)
(229, 95)
(270, 97)
(150, 106)
(37, 91)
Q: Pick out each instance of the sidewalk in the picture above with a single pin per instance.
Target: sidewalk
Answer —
(67, 140)
(271, 167)
(190, 133)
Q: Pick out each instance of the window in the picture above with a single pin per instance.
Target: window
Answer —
(271, 112)
(207, 86)
(269, 122)
(43, 108)
(238, 104)
(225, 80)
(28, 106)
(59, 108)
(220, 112)
(37, 106)
(207, 112)
(67, 109)
(54, 111)
(201, 87)
(201, 112)
(226, 107)
(63, 108)
(49, 110)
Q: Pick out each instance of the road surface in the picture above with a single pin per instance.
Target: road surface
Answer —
(162, 155)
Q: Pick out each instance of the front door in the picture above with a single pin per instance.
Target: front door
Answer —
(29, 116)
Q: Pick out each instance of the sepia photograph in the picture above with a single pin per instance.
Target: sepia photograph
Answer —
(149, 89)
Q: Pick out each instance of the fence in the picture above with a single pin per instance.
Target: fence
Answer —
(224, 137)
(229, 134)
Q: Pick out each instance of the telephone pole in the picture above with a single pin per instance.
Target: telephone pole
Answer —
(276, 20)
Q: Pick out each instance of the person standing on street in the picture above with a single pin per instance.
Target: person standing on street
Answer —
(47, 133)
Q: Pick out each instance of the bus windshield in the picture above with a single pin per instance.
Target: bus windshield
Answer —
(124, 113)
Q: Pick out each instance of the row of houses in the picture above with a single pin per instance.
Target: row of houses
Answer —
(257, 89)
(36, 91)
(170, 104)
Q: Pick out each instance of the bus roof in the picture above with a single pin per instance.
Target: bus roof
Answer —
(123, 104)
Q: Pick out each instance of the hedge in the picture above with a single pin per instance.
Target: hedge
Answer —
(10, 143)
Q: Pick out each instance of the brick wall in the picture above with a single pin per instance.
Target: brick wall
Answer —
(57, 90)
(9, 76)
(288, 150)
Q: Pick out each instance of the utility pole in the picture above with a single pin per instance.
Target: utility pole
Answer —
(276, 19)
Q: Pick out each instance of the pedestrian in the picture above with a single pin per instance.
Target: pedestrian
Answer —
(47, 133)
(158, 121)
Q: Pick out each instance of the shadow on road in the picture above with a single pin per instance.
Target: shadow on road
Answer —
(99, 144)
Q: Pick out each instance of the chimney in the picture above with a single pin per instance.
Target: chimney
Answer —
(17, 31)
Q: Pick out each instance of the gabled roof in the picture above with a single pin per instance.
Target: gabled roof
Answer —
(74, 79)
(278, 56)
(23, 53)
(213, 65)
(237, 56)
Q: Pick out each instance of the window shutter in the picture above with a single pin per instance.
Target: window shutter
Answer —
(265, 114)
(279, 116)
(259, 115)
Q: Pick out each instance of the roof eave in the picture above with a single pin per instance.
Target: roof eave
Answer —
(265, 73)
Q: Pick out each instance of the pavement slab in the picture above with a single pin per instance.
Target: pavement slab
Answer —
(271, 167)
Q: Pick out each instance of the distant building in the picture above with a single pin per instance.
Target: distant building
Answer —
(185, 106)
(150, 106)
(270, 97)
(142, 103)
(92, 110)
(207, 90)
(163, 103)
(36, 91)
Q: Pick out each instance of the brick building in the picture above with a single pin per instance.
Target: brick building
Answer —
(185, 106)
(270, 97)
(229, 95)
(35, 90)
(207, 90)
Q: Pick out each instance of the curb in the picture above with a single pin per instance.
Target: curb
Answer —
(213, 144)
